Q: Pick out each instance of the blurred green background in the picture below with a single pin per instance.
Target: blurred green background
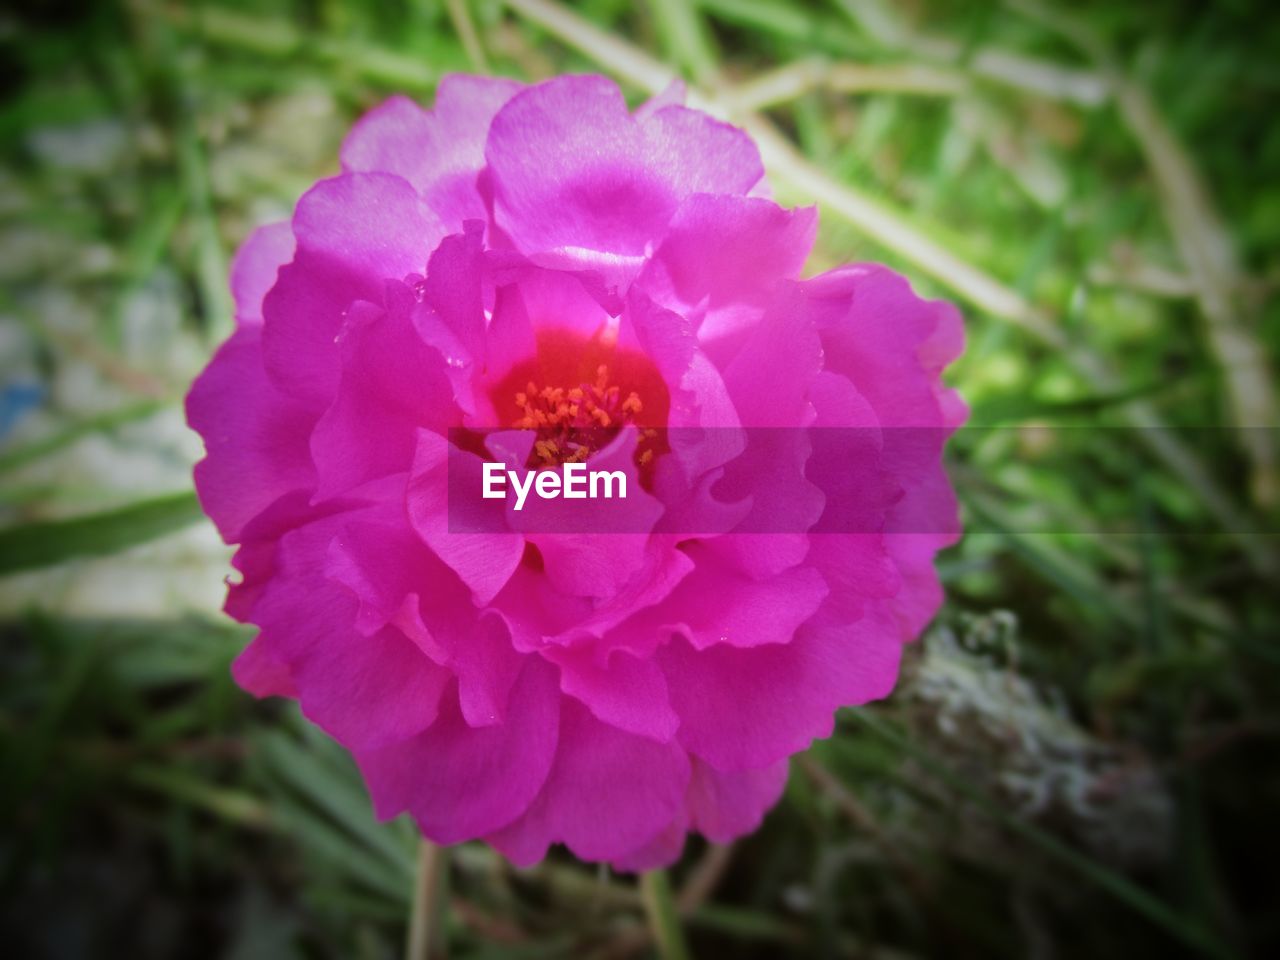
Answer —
(1081, 758)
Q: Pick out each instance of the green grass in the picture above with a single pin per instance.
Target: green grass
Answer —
(1080, 759)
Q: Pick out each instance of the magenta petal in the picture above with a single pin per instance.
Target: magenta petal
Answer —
(254, 436)
(510, 338)
(371, 224)
(627, 693)
(858, 568)
(605, 544)
(793, 689)
(921, 592)
(354, 233)
(260, 543)
(368, 691)
(570, 173)
(723, 805)
(699, 397)
(399, 582)
(770, 376)
(536, 612)
(723, 257)
(700, 154)
(664, 567)
(364, 690)
(581, 184)
(484, 561)
(662, 851)
(719, 605)
(392, 384)
(873, 326)
(554, 302)
(451, 316)
(261, 672)
(385, 568)
(672, 96)
(452, 290)
(460, 782)
(440, 151)
(608, 793)
(255, 267)
(393, 137)
(487, 665)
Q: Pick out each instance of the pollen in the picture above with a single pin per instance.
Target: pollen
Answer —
(576, 422)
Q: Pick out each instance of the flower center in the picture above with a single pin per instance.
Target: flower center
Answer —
(573, 423)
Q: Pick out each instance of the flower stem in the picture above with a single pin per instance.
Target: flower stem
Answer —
(660, 907)
(428, 909)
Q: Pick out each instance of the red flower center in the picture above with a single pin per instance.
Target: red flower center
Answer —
(578, 394)
(572, 424)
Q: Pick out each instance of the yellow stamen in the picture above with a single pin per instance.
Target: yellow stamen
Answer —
(573, 423)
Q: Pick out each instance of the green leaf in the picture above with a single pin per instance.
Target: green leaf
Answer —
(30, 546)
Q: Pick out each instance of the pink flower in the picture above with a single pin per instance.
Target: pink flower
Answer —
(535, 275)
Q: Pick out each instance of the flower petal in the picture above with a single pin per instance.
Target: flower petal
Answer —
(700, 154)
(255, 267)
(254, 436)
(716, 604)
(608, 793)
(354, 232)
(793, 689)
(571, 177)
(441, 151)
(661, 851)
(365, 690)
(627, 693)
(484, 560)
(724, 805)
(391, 385)
(261, 672)
(460, 782)
(722, 257)
(581, 184)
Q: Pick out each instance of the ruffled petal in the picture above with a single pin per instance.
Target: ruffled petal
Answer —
(793, 689)
(579, 183)
(887, 341)
(255, 437)
(391, 385)
(571, 180)
(626, 692)
(397, 581)
(594, 548)
(262, 673)
(353, 232)
(662, 851)
(460, 782)
(724, 805)
(721, 259)
(365, 690)
(700, 154)
(608, 793)
(441, 151)
(484, 560)
(716, 604)
(255, 267)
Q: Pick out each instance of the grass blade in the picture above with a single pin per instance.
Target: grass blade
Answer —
(44, 544)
